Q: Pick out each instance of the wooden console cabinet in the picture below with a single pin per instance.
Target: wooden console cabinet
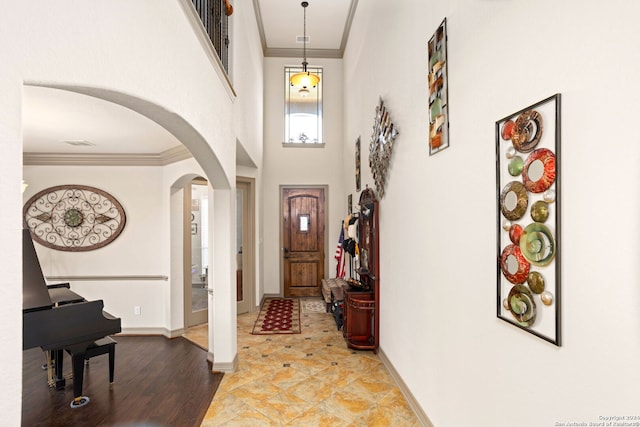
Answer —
(358, 319)
(361, 317)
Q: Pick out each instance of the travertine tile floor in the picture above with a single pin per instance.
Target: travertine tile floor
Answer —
(307, 379)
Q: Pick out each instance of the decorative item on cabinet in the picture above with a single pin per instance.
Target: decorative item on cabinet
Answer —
(361, 319)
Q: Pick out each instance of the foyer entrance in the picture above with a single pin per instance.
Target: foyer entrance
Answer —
(303, 236)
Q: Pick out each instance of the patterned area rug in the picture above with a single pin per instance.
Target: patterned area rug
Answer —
(314, 305)
(278, 316)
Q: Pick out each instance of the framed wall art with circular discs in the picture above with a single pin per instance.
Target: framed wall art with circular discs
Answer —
(528, 226)
(74, 218)
(381, 146)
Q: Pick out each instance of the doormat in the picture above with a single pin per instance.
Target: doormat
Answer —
(278, 316)
(315, 305)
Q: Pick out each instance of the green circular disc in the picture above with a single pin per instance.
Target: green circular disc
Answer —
(521, 305)
(537, 244)
(535, 282)
(515, 166)
(540, 211)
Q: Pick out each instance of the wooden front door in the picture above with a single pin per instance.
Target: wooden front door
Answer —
(303, 241)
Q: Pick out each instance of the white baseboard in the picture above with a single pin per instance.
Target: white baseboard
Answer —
(227, 367)
(152, 331)
(413, 403)
(175, 333)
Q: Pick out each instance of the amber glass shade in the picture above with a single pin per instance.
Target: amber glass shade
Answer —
(304, 79)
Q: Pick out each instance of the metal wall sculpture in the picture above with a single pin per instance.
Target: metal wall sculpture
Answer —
(381, 146)
(528, 210)
(74, 218)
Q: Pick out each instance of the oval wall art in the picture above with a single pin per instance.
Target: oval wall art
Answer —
(74, 218)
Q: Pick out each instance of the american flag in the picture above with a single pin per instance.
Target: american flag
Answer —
(340, 273)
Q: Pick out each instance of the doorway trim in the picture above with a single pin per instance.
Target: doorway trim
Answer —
(200, 317)
(249, 241)
(325, 187)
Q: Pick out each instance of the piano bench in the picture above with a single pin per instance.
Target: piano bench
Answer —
(102, 346)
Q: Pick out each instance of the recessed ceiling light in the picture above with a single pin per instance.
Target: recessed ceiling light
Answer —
(79, 143)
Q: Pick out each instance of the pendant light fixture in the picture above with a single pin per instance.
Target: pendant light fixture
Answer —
(305, 79)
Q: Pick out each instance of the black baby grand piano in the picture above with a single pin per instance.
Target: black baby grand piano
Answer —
(57, 319)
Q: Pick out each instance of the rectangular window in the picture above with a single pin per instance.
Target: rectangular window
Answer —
(303, 109)
(304, 222)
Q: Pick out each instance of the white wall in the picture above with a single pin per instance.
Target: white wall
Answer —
(300, 165)
(247, 69)
(145, 55)
(142, 248)
(438, 216)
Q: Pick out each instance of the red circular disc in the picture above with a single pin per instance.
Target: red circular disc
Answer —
(548, 177)
(514, 234)
(507, 129)
(520, 276)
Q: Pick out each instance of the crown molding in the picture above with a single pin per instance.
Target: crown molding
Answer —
(311, 53)
(347, 26)
(175, 154)
(298, 53)
(258, 13)
(166, 157)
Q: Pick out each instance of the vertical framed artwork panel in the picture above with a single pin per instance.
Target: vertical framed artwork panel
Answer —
(528, 219)
(438, 90)
(358, 164)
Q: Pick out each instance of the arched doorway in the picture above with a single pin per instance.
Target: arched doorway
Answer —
(209, 166)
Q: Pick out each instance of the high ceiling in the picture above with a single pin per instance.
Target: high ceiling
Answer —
(62, 122)
(328, 24)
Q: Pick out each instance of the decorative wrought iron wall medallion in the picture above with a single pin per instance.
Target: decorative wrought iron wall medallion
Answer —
(74, 218)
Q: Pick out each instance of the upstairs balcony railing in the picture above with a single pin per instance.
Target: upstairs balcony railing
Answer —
(214, 15)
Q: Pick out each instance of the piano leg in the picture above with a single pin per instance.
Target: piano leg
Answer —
(54, 369)
(112, 364)
(80, 353)
(78, 377)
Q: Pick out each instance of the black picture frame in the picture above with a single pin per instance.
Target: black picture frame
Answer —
(438, 107)
(528, 212)
(358, 164)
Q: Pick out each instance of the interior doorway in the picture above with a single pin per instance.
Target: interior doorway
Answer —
(196, 251)
(245, 242)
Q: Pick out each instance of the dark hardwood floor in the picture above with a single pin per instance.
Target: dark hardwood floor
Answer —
(159, 382)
